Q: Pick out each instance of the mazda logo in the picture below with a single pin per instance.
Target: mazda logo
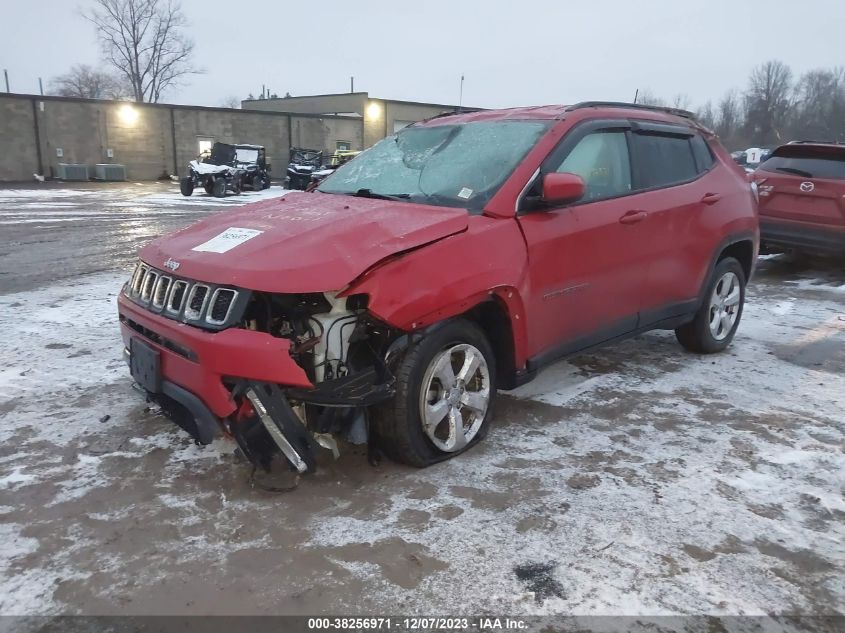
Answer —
(807, 187)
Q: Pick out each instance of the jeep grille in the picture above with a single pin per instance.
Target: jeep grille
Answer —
(201, 304)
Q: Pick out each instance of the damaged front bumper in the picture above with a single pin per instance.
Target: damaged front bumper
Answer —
(211, 375)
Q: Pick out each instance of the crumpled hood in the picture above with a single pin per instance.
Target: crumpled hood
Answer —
(302, 242)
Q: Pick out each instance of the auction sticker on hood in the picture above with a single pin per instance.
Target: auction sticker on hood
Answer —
(227, 240)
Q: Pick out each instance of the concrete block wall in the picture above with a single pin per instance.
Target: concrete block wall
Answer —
(324, 133)
(85, 129)
(18, 153)
(233, 126)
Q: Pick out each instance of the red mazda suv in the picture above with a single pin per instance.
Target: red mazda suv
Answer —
(802, 198)
(455, 258)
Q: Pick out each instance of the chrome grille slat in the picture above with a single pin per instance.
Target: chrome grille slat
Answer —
(221, 305)
(138, 279)
(148, 285)
(160, 291)
(197, 301)
(177, 296)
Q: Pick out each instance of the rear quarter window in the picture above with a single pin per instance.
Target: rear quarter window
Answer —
(703, 155)
(664, 160)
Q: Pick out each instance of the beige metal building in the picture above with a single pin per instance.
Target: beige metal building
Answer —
(38, 134)
(378, 117)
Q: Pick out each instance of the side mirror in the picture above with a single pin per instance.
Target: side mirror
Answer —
(562, 188)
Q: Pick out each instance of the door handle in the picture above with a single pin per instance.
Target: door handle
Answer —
(711, 198)
(632, 217)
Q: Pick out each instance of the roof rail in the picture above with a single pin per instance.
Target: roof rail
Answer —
(637, 106)
(458, 110)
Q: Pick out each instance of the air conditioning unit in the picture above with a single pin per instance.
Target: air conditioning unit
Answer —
(110, 171)
(69, 171)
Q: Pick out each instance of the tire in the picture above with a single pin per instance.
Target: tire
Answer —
(398, 425)
(716, 321)
(265, 182)
(236, 186)
(208, 185)
(219, 188)
(186, 186)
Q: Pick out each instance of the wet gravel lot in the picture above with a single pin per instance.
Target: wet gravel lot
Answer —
(639, 479)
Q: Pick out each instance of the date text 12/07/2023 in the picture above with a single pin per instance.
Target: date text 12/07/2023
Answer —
(418, 623)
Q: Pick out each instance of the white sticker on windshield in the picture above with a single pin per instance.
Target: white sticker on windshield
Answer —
(465, 193)
(227, 240)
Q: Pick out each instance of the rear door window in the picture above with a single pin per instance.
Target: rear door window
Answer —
(808, 162)
(663, 160)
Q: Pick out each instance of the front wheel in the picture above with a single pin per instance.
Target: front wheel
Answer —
(186, 186)
(445, 391)
(716, 321)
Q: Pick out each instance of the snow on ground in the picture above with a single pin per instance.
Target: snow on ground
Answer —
(19, 206)
(638, 479)
(635, 480)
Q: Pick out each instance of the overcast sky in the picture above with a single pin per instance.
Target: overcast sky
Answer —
(512, 52)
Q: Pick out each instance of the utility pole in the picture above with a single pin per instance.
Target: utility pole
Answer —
(41, 86)
(6, 75)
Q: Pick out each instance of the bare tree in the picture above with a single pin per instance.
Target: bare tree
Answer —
(681, 101)
(728, 116)
(230, 102)
(87, 82)
(706, 116)
(143, 40)
(647, 97)
(820, 105)
(768, 101)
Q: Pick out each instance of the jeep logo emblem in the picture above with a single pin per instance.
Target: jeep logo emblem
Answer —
(172, 264)
(807, 187)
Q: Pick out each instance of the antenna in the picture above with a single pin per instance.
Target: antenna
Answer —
(636, 94)
(461, 94)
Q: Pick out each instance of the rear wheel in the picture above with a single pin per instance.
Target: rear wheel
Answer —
(219, 188)
(208, 185)
(186, 186)
(445, 391)
(717, 319)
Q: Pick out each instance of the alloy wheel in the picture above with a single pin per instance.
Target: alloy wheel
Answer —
(724, 305)
(455, 396)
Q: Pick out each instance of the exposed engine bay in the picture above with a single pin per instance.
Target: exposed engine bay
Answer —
(342, 350)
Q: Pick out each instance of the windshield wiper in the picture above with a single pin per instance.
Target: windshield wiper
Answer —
(798, 172)
(369, 193)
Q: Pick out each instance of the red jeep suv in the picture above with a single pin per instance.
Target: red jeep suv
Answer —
(455, 258)
(802, 198)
